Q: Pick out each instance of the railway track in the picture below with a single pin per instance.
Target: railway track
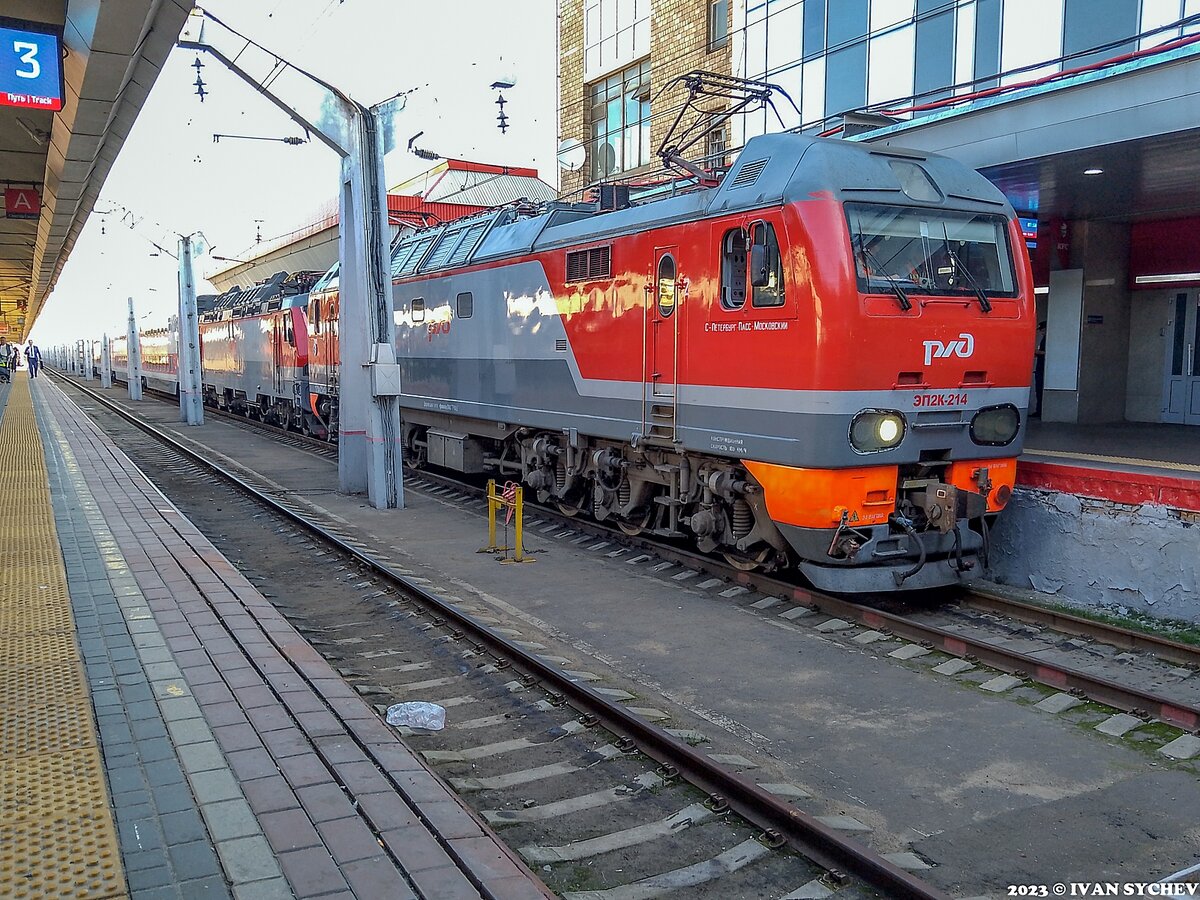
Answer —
(983, 643)
(745, 834)
(982, 640)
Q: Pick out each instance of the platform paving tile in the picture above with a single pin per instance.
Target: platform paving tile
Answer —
(955, 666)
(288, 731)
(313, 873)
(910, 651)
(1000, 683)
(1186, 746)
(289, 829)
(155, 809)
(830, 625)
(1057, 703)
(1119, 724)
(348, 839)
(370, 878)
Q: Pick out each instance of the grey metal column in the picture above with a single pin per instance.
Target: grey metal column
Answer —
(369, 457)
(134, 356)
(368, 418)
(105, 363)
(191, 399)
(88, 359)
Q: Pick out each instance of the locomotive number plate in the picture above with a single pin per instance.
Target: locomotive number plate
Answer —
(925, 401)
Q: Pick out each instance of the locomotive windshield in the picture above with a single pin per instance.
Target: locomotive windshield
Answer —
(930, 251)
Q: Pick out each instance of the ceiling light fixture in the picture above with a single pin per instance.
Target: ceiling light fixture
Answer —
(1095, 170)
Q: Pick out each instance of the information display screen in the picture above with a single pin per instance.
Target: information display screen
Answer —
(31, 75)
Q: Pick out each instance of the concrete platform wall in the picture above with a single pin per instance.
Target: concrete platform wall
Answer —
(1099, 553)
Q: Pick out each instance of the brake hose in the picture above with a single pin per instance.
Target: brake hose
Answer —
(906, 524)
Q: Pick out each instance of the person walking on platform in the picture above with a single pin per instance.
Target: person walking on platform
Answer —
(1039, 371)
(6, 366)
(33, 358)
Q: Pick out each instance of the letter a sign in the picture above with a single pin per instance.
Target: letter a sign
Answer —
(22, 203)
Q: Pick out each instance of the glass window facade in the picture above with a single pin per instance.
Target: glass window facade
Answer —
(718, 24)
(814, 27)
(619, 121)
(846, 79)
(987, 42)
(615, 33)
(833, 56)
(934, 64)
(1094, 23)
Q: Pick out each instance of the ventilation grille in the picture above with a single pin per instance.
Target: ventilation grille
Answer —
(586, 265)
(748, 174)
(560, 345)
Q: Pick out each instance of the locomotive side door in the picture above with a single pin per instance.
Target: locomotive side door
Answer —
(662, 323)
(277, 354)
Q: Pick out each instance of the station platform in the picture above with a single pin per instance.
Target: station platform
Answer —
(164, 732)
(1126, 462)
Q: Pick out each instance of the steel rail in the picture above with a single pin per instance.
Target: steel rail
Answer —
(1128, 699)
(1124, 697)
(1106, 632)
(780, 821)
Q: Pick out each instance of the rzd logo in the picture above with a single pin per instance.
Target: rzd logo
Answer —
(435, 328)
(964, 347)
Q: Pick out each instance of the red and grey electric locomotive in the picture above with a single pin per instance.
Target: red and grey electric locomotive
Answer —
(823, 361)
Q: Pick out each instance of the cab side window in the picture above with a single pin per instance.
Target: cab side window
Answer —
(316, 316)
(288, 334)
(767, 265)
(733, 268)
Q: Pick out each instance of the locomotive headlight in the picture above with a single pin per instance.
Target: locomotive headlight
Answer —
(876, 429)
(996, 425)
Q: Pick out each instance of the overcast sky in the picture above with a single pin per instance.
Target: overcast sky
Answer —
(175, 179)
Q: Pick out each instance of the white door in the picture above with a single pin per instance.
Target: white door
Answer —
(1181, 388)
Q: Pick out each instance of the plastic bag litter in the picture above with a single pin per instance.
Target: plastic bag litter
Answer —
(417, 714)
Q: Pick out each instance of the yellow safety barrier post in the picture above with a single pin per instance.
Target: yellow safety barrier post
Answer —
(512, 500)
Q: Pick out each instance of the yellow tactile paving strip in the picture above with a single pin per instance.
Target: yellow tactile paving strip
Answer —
(1119, 460)
(57, 834)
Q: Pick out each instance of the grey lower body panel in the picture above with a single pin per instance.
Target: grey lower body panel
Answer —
(541, 393)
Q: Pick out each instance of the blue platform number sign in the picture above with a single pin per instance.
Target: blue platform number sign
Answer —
(31, 75)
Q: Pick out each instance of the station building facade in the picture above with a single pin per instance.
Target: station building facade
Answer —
(615, 57)
(1084, 112)
(449, 190)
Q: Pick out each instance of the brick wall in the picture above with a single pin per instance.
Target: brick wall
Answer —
(678, 44)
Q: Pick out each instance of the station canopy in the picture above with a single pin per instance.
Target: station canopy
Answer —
(68, 99)
(1117, 141)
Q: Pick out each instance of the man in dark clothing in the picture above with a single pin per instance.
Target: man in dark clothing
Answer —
(33, 356)
(1039, 369)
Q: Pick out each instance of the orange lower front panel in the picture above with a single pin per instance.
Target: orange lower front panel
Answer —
(996, 475)
(817, 498)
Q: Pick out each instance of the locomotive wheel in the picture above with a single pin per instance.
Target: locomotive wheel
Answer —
(567, 509)
(747, 563)
(633, 529)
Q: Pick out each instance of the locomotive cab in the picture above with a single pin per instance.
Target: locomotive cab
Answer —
(922, 291)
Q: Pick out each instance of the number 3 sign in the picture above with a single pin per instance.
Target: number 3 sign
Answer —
(31, 74)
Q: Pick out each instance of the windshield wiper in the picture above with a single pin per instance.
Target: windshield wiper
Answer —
(869, 258)
(984, 303)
